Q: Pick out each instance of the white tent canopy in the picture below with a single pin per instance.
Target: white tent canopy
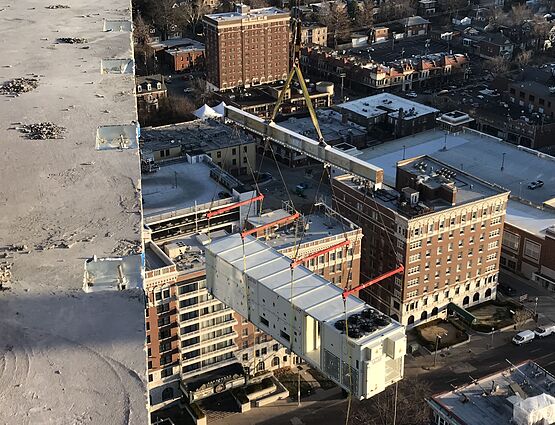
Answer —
(220, 109)
(205, 112)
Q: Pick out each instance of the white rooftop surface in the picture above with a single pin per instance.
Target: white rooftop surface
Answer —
(373, 106)
(194, 187)
(311, 293)
(251, 14)
(481, 156)
(67, 356)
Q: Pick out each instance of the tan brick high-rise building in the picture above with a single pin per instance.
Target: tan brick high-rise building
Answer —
(443, 225)
(246, 47)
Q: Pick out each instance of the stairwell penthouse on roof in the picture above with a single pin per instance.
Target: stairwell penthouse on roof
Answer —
(306, 312)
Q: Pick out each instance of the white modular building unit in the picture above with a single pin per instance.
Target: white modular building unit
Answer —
(306, 313)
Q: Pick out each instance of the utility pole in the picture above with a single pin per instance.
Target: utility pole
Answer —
(492, 332)
(342, 75)
(503, 161)
(395, 404)
(404, 147)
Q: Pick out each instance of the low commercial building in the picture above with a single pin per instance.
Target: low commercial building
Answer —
(390, 115)
(335, 128)
(519, 394)
(527, 243)
(442, 224)
(150, 90)
(232, 150)
(180, 54)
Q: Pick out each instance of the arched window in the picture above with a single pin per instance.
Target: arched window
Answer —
(466, 300)
(424, 315)
(434, 311)
(411, 320)
(476, 297)
(488, 292)
(260, 366)
(275, 361)
(167, 394)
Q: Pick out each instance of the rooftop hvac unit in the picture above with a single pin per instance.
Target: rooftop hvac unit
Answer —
(305, 312)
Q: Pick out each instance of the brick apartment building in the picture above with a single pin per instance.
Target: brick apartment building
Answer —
(196, 345)
(246, 47)
(442, 224)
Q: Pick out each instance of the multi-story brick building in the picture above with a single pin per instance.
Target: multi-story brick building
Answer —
(196, 345)
(442, 224)
(246, 47)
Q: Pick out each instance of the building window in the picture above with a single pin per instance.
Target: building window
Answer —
(511, 240)
(245, 331)
(412, 294)
(246, 357)
(532, 250)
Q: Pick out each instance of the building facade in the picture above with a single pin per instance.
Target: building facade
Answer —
(150, 90)
(246, 47)
(446, 234)
(314, 34)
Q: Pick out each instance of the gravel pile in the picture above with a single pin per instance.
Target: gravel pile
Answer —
(19, 85)
(43, 131)
(72, 40)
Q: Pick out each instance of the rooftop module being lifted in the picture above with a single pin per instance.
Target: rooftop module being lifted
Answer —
(307, 313)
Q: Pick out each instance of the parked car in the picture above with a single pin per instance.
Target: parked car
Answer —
(188, 90)
(543, 331)
(523, 337)
(412, 94)
(535, 185)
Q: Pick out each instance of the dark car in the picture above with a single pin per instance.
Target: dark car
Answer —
(535, 185)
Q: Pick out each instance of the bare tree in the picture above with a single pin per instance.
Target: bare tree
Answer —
(520, 13)
(523, 58)
(521, 316)
(201, 92)
(411, 406)
(364, 16)
(192, 12)
(144, 53)
(170, 110)
(498, 66)
(396, 9)
(335, 17)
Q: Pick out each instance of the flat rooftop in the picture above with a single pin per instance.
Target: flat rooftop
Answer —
(481, 155)
(68, 356)
(489, 401)
(250, 14)
(182, 44)
(322, 223)
(180, 185)
(387, 103)
(203, 135)
(331, 125)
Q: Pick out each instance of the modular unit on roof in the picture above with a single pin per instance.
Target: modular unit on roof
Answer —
(306, 313)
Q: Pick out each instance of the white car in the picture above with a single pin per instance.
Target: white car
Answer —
(523, 337)
(543, 331)
(411, 94)
(188, 90)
